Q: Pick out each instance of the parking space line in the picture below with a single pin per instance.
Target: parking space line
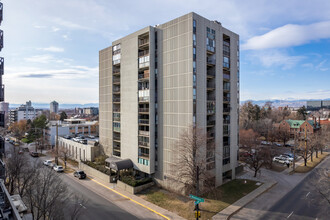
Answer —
(129, 198)
(290, 215)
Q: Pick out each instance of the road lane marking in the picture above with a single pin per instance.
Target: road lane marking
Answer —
(82, 206)
(130, 199)
(308, 194)
(290, 215)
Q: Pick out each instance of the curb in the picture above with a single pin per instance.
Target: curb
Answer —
(228, 212)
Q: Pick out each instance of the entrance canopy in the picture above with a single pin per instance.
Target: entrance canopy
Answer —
(119, 164)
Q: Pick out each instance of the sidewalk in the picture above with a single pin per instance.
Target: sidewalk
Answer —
(131, 203)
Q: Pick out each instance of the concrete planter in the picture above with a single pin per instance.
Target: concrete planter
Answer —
(131, 189)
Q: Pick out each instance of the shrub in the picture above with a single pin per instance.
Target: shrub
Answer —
(130, 180)
(101, 159)
(98, 167)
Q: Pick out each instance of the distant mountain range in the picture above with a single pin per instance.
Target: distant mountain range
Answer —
(61, 106)
(282, 103)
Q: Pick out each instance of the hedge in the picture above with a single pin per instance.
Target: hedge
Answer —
(130, 180)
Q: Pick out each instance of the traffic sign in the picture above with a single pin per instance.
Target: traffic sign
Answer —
(196, 198)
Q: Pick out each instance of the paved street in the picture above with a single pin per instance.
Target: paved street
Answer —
(304, 201)
(97, 207)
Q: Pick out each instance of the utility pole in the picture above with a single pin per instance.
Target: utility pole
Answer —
(294, 151)
(56, 145)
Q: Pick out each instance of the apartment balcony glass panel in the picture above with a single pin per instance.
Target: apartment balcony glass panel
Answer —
(116, 117)
(143, 133)
(210, 107)
(144, 61)
(144, 95)
(116, 126)
(226, 129)
(226, 76)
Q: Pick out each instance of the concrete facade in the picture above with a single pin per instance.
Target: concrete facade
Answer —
(78, 151)
(162, 81)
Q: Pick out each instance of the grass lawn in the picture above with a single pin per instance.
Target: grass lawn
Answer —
(310, 165)
(216, 201)
(25, 140)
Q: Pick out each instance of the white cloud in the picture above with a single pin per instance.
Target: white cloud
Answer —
(55, 29)
(52, 49)
(270, 58)
(289, 35)
(46, 58)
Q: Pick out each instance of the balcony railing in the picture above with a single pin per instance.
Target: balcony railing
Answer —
(116, 72)
(143, 155)
(226, 121)
(226, 76)
(143, 121)
(116, 89)
(210, 73)
(144, 75)
(117, 129)
(210, 61)
(116, 110)
(211, 49)
(116, 80)
(116, 138)
(226, 110)
(143, 42)
(116, 99)
(143, 53)
(143, 65)
(144, 133)
(143, 109)
(144, 99)
(143, 143)
(211, 85)
(116, 119)
(116, 148)
(226, 99)
(210, 123)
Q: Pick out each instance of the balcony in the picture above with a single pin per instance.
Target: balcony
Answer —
(226, 121)
(211, 135)
(1, 12)
(144, 53)
(144, 110)
(144, 99)
(143, 42)
(2, 93)
(144, 76)
(116, 148)
(116, 129)
(226, 87)
(226, 77)
(210, 49)
(116, 62)
(226, 99)
(210, 107)
(116, 119)
(116, 72)
(144, 144)
(116, 110)
(210, 123)
(144, 121)
(116, 138)
(210, 62)
(116, 90)
(144, 133)
(210, 74)
(210, 85)
(226, 110)
(144, 155)
(116, 80)
(116, 99)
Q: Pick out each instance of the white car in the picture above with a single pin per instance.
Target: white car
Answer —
(281, 159)
(58, 168)
(287, 158)
(48, 162)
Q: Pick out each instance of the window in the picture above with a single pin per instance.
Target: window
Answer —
(226, 62)
(194, 26)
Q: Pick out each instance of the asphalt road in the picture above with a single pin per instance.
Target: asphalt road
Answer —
(304, 202)
(96, 206)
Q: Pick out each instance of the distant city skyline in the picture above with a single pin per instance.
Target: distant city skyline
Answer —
(51, 49)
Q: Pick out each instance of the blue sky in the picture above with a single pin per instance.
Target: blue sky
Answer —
(51, 47)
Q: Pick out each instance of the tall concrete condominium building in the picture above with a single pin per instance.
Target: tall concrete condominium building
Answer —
(162, 80)
(53, 107)
(2, 86)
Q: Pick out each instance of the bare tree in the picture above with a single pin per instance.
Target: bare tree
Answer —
(283, 135)
(258, 155)
(64, 153)
(303, 148)
(193, 149)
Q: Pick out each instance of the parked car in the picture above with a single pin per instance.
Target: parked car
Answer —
(34, 154)
(83, 141)
(48, 162)
(287, 157)
(281, 159)
(58, 168)
(265, 143)
(20, 152)
(11, 141)
(79, 174)
(7, 139)
(278, 145)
